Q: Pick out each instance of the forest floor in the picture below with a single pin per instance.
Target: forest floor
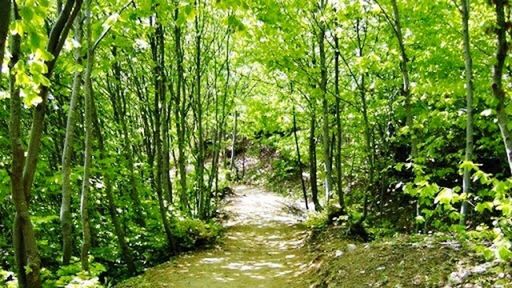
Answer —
(263, 246)
(266, 245)
(400, 261)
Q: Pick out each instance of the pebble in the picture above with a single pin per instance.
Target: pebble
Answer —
(351, 247)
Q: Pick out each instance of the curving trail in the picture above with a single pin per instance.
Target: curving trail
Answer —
(263, 247)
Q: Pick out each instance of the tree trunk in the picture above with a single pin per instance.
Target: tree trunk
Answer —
(312, 161)
(84, 202)
(24, 167)
(119, 105)
(65, 209)
(5, 20)
(339, 132)
(232, 164)
(203, 198)
(466, 181)
(325, 111)
(404, 68)
(299, 159)
(126, 253)
(180, 114)
(497, 86)
(27, 257)
(157, 52)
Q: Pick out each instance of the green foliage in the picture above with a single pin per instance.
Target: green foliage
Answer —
(72, 276)
(317, 220)
(259, 59)
(190, 232)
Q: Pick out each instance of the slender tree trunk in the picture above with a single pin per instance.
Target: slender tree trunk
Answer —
(65, 209)
(466, 181)
(24, 240)
(25, 163)
(232, 164)
(497, 86)
(180, 114)
(212, 181)
(58, 35)
(339, 132)
(164, 158)
(370, 151)
(119, 106)
(299, 159)
(199, 107)
(5, 20)
(312, 161)
(126, 253)
(406, 84)
(325, 111)
(159, 83)
(84, 203)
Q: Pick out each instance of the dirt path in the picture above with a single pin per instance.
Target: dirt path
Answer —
(262, 248)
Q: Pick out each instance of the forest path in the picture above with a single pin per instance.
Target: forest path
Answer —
(262, 247)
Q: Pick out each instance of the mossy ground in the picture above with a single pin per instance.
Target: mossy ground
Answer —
(402, 261)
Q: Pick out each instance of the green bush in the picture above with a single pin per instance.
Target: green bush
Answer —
(191, 233)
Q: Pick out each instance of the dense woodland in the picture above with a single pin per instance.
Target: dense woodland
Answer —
(123, 123)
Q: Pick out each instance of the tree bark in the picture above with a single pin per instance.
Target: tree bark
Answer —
(65, 209)
(126, 252)
(119, 106)
(203, 198)
(24, 167)
(180, 112)
(232, 164)
(159, 82)
(299, 159)
(325, 111)
(497, 86)
(312, 161)
(468, 60)
(27, 257)
(84, 201)
(339, 129)
(406, 84)
(5, 20)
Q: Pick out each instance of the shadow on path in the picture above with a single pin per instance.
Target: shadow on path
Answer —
(263, 247)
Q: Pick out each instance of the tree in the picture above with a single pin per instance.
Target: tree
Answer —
(468, 60)
(65, 210)
(497, 85)
(5, 16)
(24, 167)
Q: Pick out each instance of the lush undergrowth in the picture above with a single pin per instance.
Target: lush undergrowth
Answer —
(437, 260)
(385, 253)
(150, 249)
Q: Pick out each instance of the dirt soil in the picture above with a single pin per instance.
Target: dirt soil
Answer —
(263, 247)
(399, 262)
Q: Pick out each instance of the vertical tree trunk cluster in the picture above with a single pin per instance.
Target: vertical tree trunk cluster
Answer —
(24, 164)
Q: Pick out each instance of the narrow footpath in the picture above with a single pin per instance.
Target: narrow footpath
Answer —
(262, 247)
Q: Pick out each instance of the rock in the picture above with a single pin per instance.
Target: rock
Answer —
(458, 277)
(351, 247)
(338, 253)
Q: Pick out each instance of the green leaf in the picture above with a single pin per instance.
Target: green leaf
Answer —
(420, 219)
(504, 253)
(445, 196)
(481, 207)
(487, 112)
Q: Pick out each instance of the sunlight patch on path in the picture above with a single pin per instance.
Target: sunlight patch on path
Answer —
(262, 248)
